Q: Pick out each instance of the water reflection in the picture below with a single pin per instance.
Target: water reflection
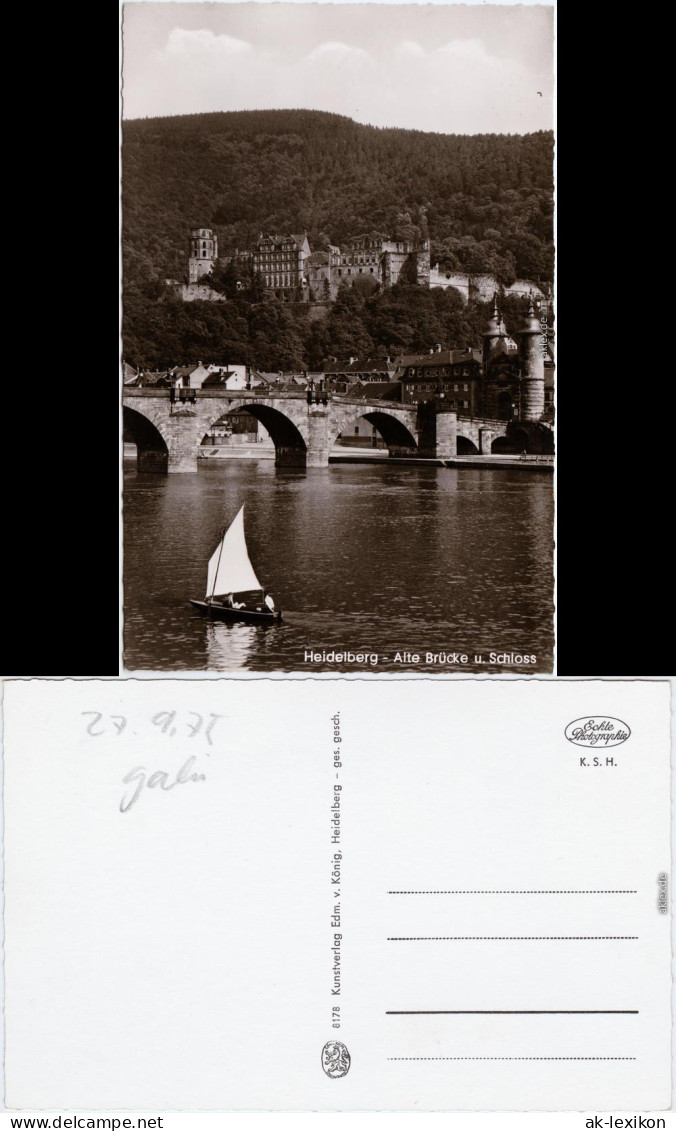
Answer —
(229, 646)
(371, 558)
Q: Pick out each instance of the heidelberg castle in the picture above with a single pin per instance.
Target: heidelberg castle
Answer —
(295, 273)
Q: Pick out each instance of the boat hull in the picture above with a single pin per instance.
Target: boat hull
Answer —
(222, 612)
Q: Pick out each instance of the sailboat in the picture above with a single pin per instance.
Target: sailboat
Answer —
(233, 590)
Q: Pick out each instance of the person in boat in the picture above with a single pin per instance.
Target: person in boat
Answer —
(232, 603)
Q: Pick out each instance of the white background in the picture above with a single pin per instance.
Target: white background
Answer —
(177, 955)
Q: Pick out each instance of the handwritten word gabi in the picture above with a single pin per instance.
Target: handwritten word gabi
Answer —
(159, 779)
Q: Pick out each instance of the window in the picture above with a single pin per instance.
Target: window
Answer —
(356, 429)
(465, 386)
(455, 387)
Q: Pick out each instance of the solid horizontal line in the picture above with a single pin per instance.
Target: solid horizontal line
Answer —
(511, 1058)
(455, 938)
(425, 1012)
(522, 891)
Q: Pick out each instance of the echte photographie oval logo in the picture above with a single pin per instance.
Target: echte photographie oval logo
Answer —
(597, 730)
(336, 1059)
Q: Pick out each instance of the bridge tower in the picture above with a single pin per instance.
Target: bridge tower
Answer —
(532, 359)
(203, 253)
(493, 332)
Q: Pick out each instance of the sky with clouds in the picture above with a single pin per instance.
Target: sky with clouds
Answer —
(444, 67)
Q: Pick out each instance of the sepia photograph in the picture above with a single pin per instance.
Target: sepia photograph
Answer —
(338, 334)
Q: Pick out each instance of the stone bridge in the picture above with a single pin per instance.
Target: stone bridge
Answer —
(168, 433)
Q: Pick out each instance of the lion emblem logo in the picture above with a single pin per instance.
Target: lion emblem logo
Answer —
(335, 1059)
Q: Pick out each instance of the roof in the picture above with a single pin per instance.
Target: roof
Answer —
(504, 344)
(377, 390)
(291, 379)
(265, 378)
(183, 370)
(301, 240)
(441, 357)
(218, 378)
(276, 241)
(360, 365)
(154, 377)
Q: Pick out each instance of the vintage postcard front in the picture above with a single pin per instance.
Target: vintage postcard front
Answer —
(338, 337)
(337, 895)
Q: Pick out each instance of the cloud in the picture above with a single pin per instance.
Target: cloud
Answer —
(456, 87)
(409, 49)
(472, 50)
(182, 42)
(336, 52)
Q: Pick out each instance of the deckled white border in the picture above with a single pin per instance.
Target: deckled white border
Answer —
(462, 1121)
(123, 672)
(246, 674)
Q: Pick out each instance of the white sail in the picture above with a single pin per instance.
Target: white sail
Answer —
(230, 570)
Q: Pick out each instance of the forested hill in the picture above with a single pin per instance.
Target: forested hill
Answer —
(484, 200)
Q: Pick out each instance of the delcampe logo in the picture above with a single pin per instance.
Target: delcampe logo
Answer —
(597, 730)
(335, 1059)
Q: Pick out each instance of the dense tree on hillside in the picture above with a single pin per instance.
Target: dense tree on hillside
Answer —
(346, 334)
(289, 170)
(484, 201)
(272, 335)
(276, 338)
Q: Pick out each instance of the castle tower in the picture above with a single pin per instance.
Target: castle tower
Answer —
(203, 253)
(532, 359)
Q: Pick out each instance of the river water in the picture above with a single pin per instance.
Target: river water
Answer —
(362, 558)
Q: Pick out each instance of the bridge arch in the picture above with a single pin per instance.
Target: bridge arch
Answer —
(515, 441)
(532, 437)
(397, 436)
(290, 443)
(151, 446)
(466, 446)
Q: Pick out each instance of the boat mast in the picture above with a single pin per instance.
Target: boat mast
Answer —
(218, 563)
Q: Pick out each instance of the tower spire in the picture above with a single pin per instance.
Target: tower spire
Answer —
(532, 361)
